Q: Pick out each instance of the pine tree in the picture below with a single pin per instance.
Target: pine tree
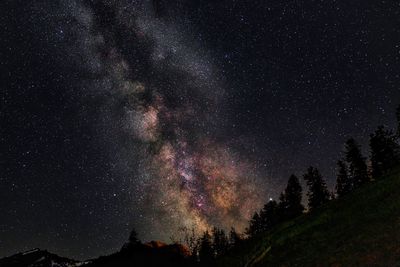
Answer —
(234, 238)
(343, 182)
(269, 215)
(292, 199)
(358, 171)
(206, 253)
(318, 193)
(255, 225)
(190, 239)
(220, 242)
(133, 239)
(384, 152)
(281, 208)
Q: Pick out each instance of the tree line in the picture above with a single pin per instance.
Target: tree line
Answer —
(353, 171)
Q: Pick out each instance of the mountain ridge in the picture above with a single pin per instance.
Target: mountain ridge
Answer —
(154, 253)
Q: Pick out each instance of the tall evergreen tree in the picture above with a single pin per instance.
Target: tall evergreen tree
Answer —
(191, 240)
(292, 199)
(206, 252)
(318, 193)
(133, 239)
(220, 242)
(234, 237)
(255, 225)
(269, 215)
(384, 152)
(343, 182)
(281, 208)
(358, 171)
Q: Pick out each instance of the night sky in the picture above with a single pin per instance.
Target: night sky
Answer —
(159, 115)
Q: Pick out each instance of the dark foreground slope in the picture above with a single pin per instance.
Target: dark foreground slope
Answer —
(361, 229)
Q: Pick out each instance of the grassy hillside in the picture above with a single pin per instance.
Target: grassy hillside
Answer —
(361, 229)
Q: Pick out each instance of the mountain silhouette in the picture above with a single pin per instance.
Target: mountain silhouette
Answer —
(38, 258)
(154, 253)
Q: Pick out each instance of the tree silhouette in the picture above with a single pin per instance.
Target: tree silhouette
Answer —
(343, 182)
(220, 242)
(269, 215)
(318, 193)
(280, 212)
(234, 238)
(191, 240)
(206, 253)
(289, 207)
(255, 225)
(384, 152)
(133, 239)
(291, 199)
(358, 171)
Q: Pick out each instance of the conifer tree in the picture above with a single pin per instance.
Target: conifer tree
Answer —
(191, 240)
(255, 225)
(343, 182)
(234, 237)
(358, 171)
(206, 253)
(292, 198)
(384, 152)
(280, 211)
(133, 239)
(269, 215)
(220, 242)
(318, 193)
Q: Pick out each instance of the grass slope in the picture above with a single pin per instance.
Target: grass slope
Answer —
(361, 229)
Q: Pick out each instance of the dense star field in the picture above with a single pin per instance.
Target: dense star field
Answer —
(165, 115)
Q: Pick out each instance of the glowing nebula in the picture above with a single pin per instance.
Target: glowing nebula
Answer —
(170, 108)
(211, 185)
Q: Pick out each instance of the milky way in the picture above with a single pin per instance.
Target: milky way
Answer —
(164, 115)
(185, 177)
